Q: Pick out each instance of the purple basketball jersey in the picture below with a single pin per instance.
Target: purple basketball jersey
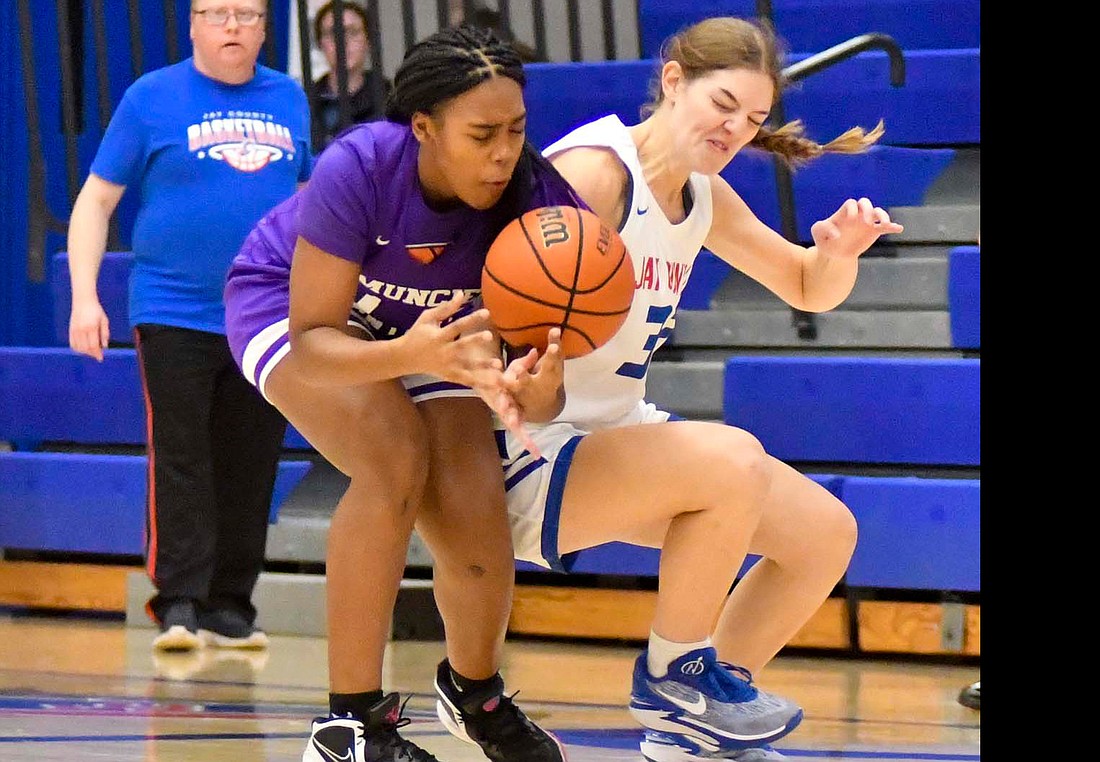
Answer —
(363, 203)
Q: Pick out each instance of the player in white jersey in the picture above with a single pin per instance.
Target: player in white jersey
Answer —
(616, 468)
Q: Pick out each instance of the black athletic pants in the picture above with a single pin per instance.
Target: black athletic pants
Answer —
(213, 451)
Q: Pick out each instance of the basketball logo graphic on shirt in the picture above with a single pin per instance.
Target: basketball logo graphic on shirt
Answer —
(245, 140)
(426, 253)
(246, 156)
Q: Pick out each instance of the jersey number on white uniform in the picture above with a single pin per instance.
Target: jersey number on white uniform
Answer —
(656, 316)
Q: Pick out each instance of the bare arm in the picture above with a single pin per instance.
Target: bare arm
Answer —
(89, 329)
(814, 279)
(322, 289)
(599, 179)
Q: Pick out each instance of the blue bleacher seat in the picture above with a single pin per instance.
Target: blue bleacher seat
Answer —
(905, 411)
(53, 394)
(914, 533)
(964, 296)
(914, 24)
(88, 502)
(707, 274)
(939, 104)
(114, 288)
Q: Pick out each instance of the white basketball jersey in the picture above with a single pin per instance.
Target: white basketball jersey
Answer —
(606, 385)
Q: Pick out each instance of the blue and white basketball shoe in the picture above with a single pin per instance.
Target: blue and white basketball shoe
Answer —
(712, 703)
(665, 747)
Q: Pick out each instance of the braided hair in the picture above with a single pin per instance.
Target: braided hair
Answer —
(449, 63)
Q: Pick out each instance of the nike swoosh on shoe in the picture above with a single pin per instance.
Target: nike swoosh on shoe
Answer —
(345, 757)
(697, 707)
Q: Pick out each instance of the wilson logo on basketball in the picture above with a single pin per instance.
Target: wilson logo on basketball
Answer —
(603, 243)
(426, 253)
(531, 283)
(552, 226)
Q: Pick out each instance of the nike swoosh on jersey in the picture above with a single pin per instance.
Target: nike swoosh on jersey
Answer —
(699, 706)
(381, 241)
(345, 757)
(643, 211)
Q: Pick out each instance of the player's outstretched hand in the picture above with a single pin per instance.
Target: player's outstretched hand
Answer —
(852, 229)
(89, 330)
(535, 379)
(463, 350)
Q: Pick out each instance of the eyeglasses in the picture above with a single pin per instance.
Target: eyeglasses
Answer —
(220, 16)
(350, 33)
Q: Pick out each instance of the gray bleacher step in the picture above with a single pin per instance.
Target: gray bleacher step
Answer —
(294, 604)
(695, 388)
(883, 283)
(303, 539)
(692, 388)
(300, 538)
(879, 329)
(301, 533)
(951, 209)
(935, 223)
(961, 182)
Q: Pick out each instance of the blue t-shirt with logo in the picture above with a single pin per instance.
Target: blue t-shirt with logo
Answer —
(209, 160)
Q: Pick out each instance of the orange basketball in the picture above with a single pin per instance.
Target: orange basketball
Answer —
(558, 266)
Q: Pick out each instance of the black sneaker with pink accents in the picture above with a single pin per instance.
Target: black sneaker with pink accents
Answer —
(491, 720)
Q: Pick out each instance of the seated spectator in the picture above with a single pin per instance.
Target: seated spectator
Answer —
(363, 103)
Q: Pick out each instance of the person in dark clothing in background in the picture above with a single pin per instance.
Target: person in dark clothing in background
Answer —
(366, 100)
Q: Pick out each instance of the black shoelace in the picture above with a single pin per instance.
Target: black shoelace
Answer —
(389, 741)
(507, 729)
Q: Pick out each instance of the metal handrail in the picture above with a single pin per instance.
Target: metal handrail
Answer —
(805, 323)
(847, 49)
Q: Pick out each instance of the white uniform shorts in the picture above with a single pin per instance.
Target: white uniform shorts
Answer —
(535, 486)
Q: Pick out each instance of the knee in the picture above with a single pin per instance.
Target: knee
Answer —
(474, 545)
(830, 541)
(396, 473)
(839, 532)
(738, 462)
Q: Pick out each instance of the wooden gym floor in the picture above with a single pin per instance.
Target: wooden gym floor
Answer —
(76, 689)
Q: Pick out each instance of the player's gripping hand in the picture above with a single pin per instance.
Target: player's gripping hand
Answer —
(535, 380)
(462, 350)
(852, 228)
(89, 329)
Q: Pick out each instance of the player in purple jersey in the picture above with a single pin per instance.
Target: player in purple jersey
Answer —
(349, 308)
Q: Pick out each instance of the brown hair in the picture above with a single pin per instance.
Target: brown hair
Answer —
(725, 42)
(329, 8)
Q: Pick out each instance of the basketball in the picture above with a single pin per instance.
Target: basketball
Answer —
(558, 266)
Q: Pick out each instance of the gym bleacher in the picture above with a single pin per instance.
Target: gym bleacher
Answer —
(878, 400)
